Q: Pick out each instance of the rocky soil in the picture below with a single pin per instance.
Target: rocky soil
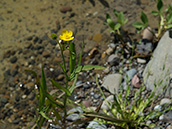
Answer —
(25, 28)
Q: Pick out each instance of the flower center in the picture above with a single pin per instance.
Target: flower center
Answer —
(67, 36)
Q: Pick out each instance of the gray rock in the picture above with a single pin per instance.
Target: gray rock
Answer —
(145, 47)
(130, 74)
(13, 59)
(74, 117)
(77, 109)
(109, 99)
(165, 101)
(113, 60)
(159, 67)
(141, 61)
(95, 125)
(112, 82)
(158, 108)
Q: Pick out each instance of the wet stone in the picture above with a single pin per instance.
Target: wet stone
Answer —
(13, 59)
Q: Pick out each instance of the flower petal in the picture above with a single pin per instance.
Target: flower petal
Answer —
(70, 33)
(64, 31)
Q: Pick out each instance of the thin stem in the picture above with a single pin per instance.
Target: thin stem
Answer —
(64, 62)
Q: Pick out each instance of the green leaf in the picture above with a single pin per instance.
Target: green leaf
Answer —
(159, 5)
(138, 25)
(110, 22)
(111, 30)
(43, 81)
(116, 13)
(169, 26)
(72, 61)
(45, 116)
(117, 26)
(42, 90)
(64, 71)
(155, 13)
(144, 18)
(51, 99)
(169, 18)
(88, 67)
(60, 87)
(126, 20)
(121, 18)
(53, 36)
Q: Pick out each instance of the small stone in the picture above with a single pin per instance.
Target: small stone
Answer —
(136, 81)
(148, 34)
(13, 59)
(24, 96)
(148, 122)
(158, 108)
(165, 101)
(105, 105)
(141, 61)
(29, 38)
(93, 52)
(60, 77)
(96, 96)
(109, 50)
(130, 74)
(65, 9)
(96, 125)
(46, 54)
(112, 82)
(169, 127)
(86, 103)
(113, 60)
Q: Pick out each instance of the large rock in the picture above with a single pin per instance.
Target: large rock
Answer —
(112, 82)
(159, 67)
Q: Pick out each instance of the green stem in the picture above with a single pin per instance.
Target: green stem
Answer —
(64, 62)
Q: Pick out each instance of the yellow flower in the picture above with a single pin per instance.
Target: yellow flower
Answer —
(66, 35)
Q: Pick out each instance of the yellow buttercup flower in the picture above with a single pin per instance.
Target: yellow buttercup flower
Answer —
(66, 35)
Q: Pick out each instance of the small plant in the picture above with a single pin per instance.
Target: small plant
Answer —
(50, 106)
(116, 27)
(165, 19)
(129, 113)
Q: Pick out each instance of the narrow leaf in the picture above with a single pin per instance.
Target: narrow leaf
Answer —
(72, 57)
(88, 67)
(60, 87)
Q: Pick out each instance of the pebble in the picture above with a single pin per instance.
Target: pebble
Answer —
(86, 103)
(130, 74)
(141, 61)
(109, 51)
(13, 59)
(95, 125)
(96, 96)
(165, 101)
(147, 34)
(65, 9)
(46, 54)
(113, 60)
(105, 105)
(169, 127)
(158, 108)
(112, 82)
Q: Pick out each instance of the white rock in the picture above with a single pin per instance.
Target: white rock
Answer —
(158, 108)
(165, 101)
(112, 82)
(141, 61)
(147, 34)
